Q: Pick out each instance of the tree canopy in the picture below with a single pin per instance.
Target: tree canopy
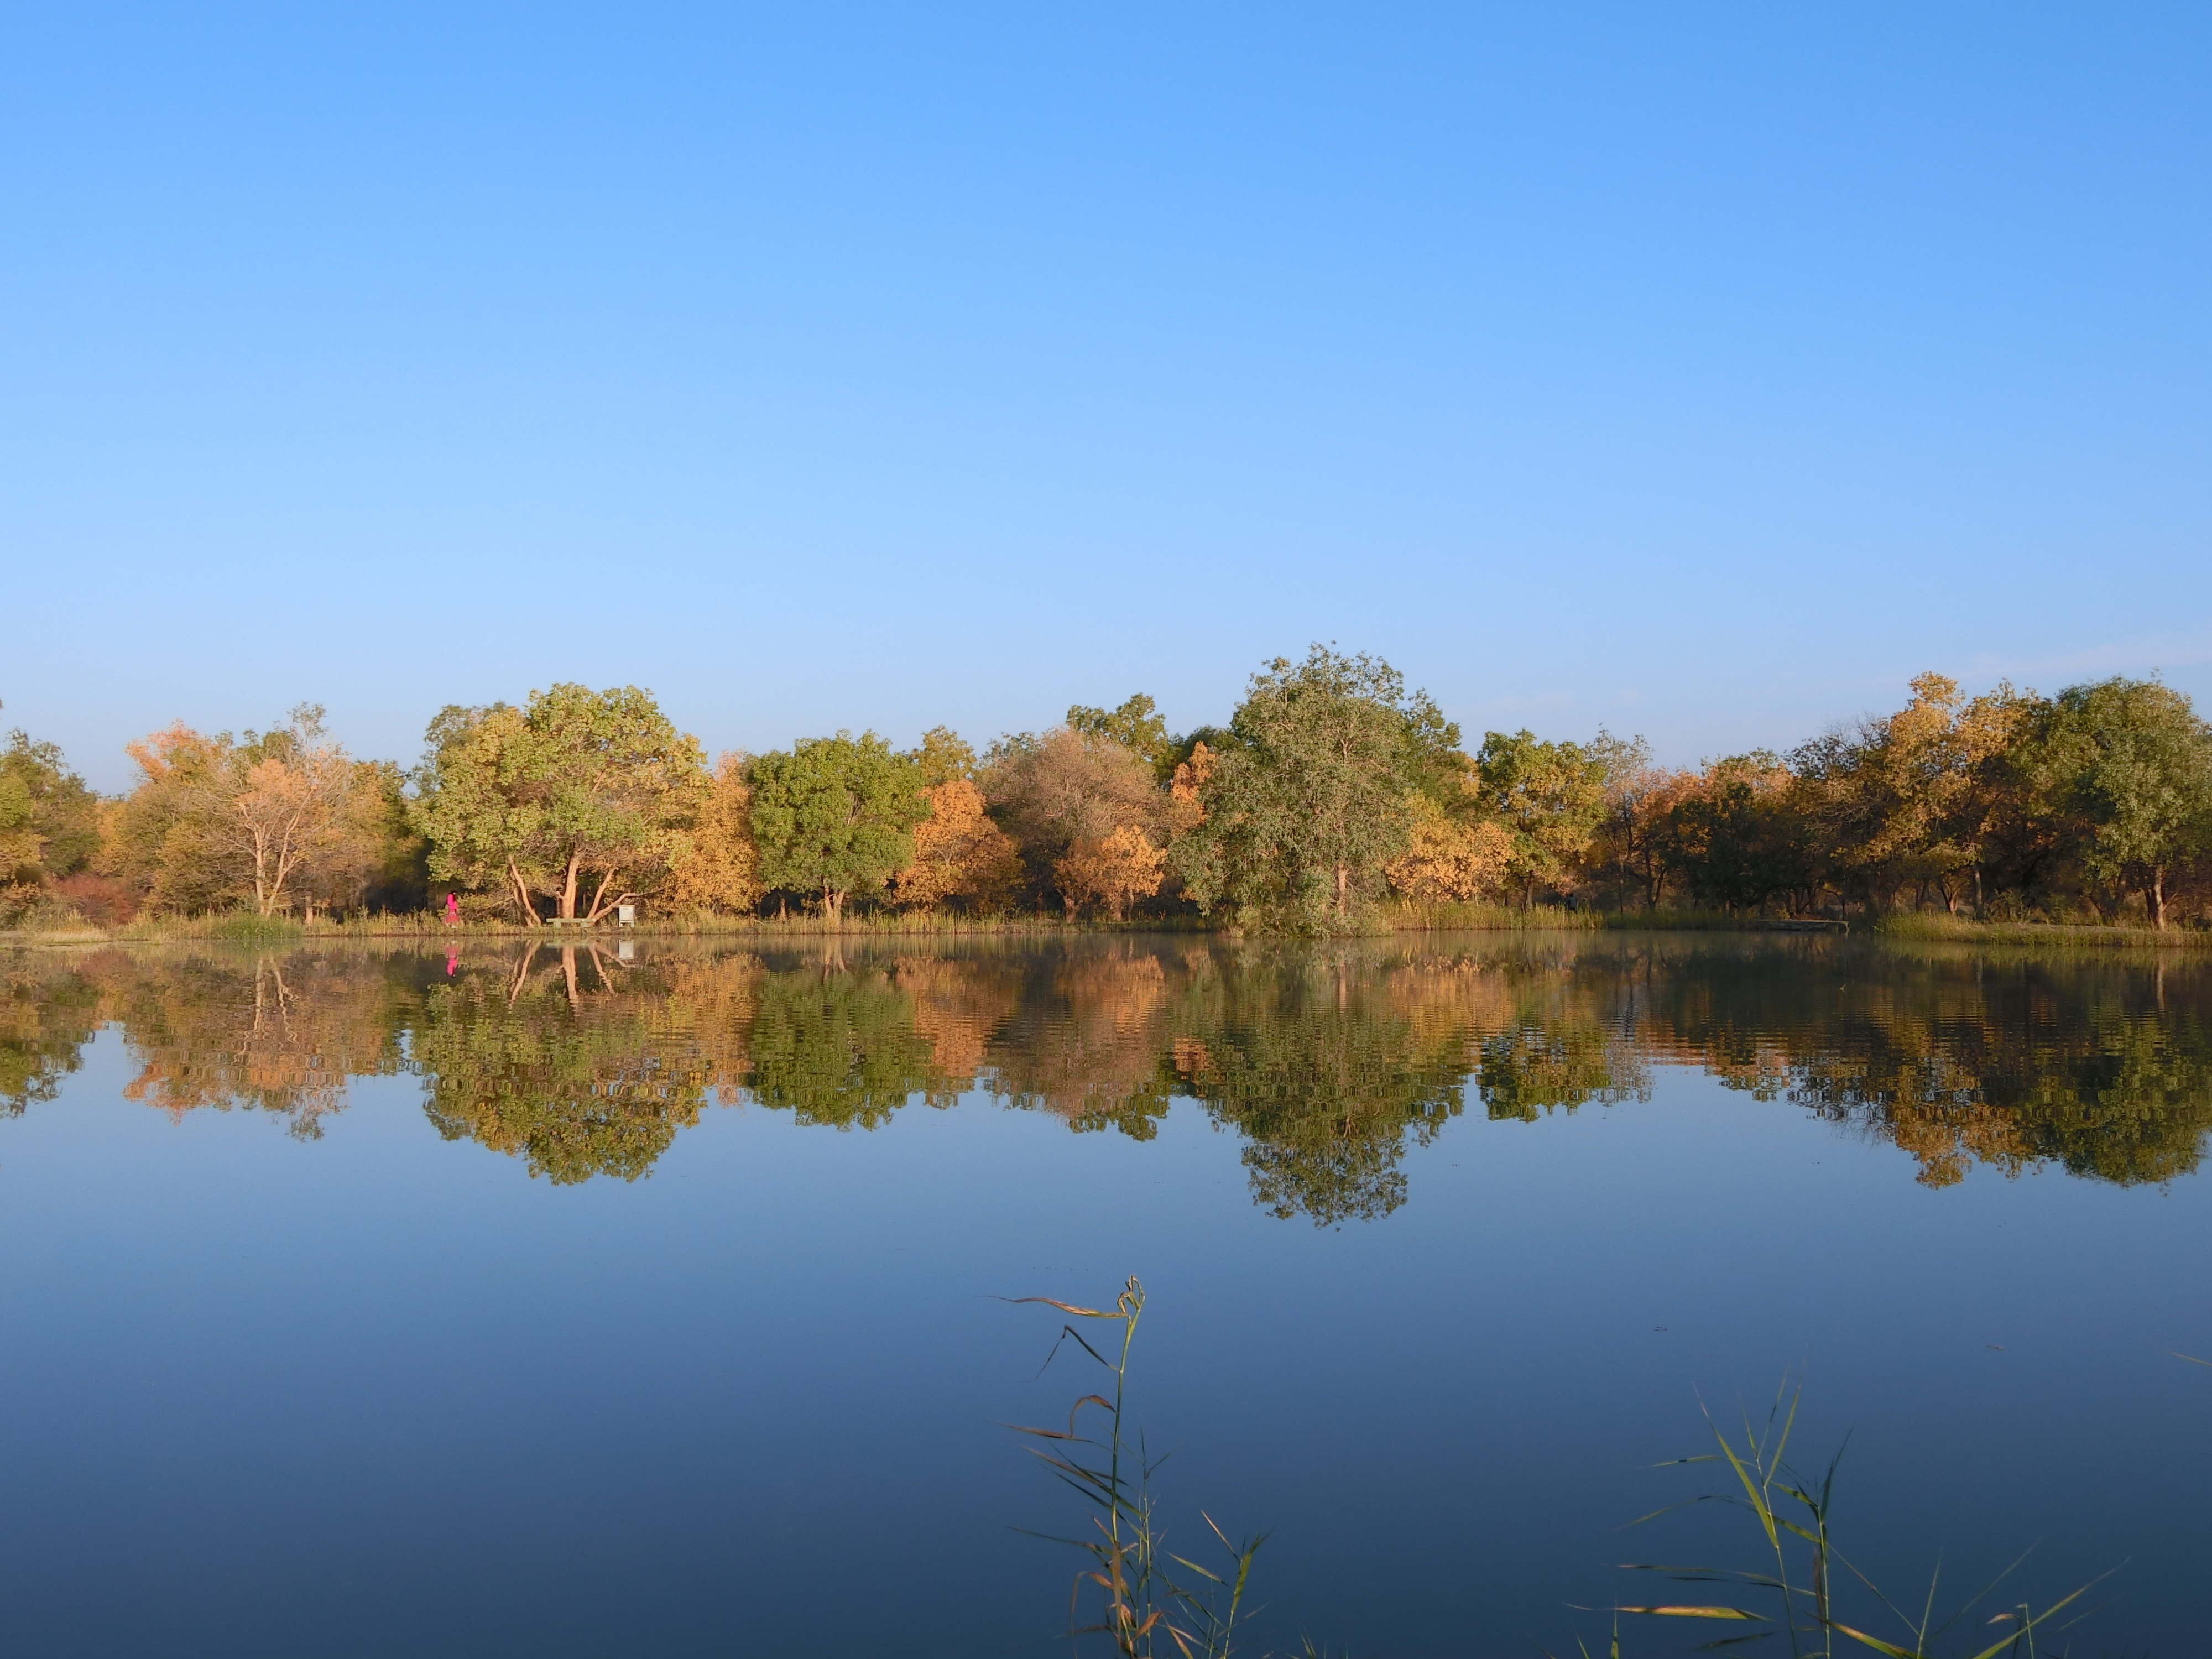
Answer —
(1308, 801)
(2130, 764)
(577, 786)
(836, 816)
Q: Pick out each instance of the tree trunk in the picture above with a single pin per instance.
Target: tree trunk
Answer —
(1343, 886)
(833, 905)
(569, 889)
(601, 900)
(522, 896)
(2155, 898)
(528, 900)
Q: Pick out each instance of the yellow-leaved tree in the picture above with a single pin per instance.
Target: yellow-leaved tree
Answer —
(1447, 861)
(1112, 870)
(284, 818)
(959, 855)
(721, 872)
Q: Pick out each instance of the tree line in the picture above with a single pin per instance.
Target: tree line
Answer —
(1332, 793)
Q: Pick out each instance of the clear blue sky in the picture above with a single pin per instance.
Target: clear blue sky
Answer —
(1701, 370)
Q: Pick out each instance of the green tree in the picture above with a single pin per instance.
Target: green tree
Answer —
(579, 784)
(1308, 801)
(1551, 796)
(49, 821)
(1737, 839)
(943, 755)
(2127, 765)
(836, 816)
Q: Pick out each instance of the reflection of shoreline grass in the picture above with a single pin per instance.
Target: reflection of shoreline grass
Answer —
(431, 928)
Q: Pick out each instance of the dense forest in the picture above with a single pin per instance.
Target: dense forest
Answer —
(1332, 797)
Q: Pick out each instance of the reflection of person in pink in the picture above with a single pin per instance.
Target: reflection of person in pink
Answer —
(453, 963)
(452, 911)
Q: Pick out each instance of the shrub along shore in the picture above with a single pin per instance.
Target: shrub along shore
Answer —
(1334, 801)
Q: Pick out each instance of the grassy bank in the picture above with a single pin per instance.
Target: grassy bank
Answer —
(1964, 930)
(430, 926)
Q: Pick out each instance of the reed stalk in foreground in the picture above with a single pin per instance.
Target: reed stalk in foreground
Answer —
(1143, 1610)
(1792, 1515)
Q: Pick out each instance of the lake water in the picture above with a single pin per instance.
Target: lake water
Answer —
(360, 1302)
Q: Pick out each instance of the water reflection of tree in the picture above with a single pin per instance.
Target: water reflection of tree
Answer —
(1092, 1040)
(275, 1033)
(1327, 1075)
(1328, 1064)
(579, 1064)
(840, 1046)
(2102, 1066)
(49, 1010)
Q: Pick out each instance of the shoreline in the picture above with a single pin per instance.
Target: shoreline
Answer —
(431, 929)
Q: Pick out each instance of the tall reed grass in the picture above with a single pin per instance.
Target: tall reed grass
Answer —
(1802, 1577)
(1802, 1590)
(1147, 1602)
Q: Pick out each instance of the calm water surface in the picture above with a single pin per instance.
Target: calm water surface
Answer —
(365, 1303)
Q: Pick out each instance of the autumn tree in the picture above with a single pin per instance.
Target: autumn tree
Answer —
(721, 870)
(1881, 793)
(1923, 797)
(1051, 791)
(836, 816)
(1447, 859)
(163, 843)
(959, 855)
(273, 820)
(1309, 801)
(290, 810)
(1633, 841)
(1186, 807)
(578, 786)
(1111, 872)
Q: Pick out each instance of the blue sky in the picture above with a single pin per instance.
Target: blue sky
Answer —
(1705, 371)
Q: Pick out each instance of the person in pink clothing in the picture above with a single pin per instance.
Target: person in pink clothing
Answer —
(452, 911)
